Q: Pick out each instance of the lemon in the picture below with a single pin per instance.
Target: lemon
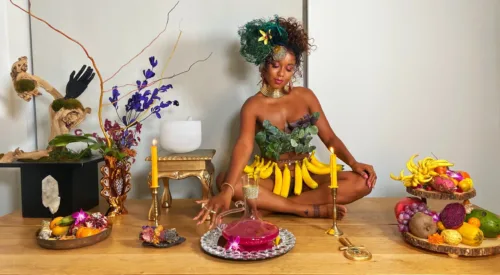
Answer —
(465, 184)
(55, 222)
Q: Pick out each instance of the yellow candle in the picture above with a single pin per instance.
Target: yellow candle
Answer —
(154, 165)
(333, 169)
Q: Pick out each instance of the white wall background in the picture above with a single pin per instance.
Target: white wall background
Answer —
(16, 115)
(117, 30)
(403, 77)
(395, 78)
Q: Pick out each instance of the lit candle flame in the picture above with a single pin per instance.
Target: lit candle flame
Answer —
(155, 142)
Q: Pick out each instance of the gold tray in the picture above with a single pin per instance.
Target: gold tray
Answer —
(73, 243)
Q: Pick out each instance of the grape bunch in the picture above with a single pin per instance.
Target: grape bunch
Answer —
(410, 210)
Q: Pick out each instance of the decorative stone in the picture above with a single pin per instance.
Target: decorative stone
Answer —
(50, 194)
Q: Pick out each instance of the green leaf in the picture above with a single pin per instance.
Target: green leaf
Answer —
(65, 139)
(260, 138)
(276, 156)
(293, 143)
(316, 115)
(299, 149)
(273, 130)
(302, 133)
(266, 124)
(313, 130)
(307, 139)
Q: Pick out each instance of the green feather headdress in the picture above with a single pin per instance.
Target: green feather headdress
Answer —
(260, 38)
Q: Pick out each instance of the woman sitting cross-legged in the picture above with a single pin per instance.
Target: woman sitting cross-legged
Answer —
(282, 120)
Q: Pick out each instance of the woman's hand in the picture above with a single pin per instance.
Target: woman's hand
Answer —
(367, 172)
(221, 201)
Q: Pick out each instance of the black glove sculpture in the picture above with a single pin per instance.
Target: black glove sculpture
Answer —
(77, 84)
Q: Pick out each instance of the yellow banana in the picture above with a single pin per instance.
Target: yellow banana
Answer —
(307, 178)
(278, 180)
(266, 173)
(256, 160)
(248, 169)
(316, 169)
(317, 162)
(298, 180)
(411, 166)
(285, 188)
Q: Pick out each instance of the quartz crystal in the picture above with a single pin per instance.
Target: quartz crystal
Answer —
(50, 194)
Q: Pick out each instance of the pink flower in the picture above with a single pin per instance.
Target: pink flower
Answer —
(79, 217)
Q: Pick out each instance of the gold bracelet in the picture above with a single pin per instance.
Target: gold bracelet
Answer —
(232, 188)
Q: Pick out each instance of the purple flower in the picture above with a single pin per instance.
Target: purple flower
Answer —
(78, 132)
(79, 217)
(153, 61)
(148, 73)
(114, 98)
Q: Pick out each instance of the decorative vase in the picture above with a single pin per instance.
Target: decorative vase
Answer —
(250, 232)
(115, 184)
(181, 136)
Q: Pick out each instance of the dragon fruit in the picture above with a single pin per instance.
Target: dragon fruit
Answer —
(96, 220)
(443, 184)
(453, 215)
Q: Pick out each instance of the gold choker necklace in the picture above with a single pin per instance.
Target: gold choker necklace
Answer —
(272, 93)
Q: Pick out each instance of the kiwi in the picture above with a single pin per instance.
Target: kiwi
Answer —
(422, 225)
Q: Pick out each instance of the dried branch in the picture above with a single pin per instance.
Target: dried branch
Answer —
(150, 43)
(160, 79)
(101, 83)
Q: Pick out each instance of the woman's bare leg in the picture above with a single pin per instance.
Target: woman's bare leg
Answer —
(269, 201)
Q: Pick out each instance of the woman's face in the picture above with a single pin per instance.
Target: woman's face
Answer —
(279, 73)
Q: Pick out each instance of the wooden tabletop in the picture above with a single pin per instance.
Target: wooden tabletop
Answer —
(370, 222)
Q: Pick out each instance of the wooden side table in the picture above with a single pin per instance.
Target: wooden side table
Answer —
(180, 166)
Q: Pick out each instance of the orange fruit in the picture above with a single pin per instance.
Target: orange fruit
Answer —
(55, 221)
(475, 222)
(86, 232)
(441, 170)
(464, 174)
(60, 230)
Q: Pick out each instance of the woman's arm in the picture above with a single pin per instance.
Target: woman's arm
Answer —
(325, 133)
(244, 145)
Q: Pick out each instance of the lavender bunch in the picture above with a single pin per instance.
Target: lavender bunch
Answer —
(143, 100)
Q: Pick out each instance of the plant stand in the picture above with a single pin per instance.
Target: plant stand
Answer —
(78, 185)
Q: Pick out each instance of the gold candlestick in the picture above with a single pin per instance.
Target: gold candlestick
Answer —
(334, 230)
(154, 212)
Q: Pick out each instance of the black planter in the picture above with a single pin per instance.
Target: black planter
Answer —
(78, 185)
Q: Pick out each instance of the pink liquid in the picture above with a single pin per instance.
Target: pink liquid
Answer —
(254, 234)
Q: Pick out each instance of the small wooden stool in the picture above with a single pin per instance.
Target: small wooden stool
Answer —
(180, 166)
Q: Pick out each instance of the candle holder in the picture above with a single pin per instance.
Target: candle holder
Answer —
(154, 212)
(334, 230)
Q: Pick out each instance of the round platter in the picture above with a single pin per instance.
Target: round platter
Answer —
(210, 244)
(441, 196)
(73, 243)
(489, 246)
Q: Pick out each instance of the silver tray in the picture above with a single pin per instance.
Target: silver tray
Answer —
(210, 244)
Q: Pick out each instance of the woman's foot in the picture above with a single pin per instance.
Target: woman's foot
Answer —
(322, 211)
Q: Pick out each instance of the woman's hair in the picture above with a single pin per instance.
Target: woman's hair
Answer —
(263, 41)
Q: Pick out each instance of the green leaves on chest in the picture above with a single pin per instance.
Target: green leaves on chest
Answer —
(273, 142)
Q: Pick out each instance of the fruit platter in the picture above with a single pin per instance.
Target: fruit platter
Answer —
(459, 229)
(434, 179)
(74, 231)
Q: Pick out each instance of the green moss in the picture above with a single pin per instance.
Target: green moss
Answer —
(24, 85)
(69, 103)
(63, 154)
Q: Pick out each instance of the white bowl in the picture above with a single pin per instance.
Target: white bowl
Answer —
(180, 136)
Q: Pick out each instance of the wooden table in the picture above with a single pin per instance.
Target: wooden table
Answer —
(180, 166)
(370, 222)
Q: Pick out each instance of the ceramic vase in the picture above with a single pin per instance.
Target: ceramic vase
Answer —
(115, 184)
